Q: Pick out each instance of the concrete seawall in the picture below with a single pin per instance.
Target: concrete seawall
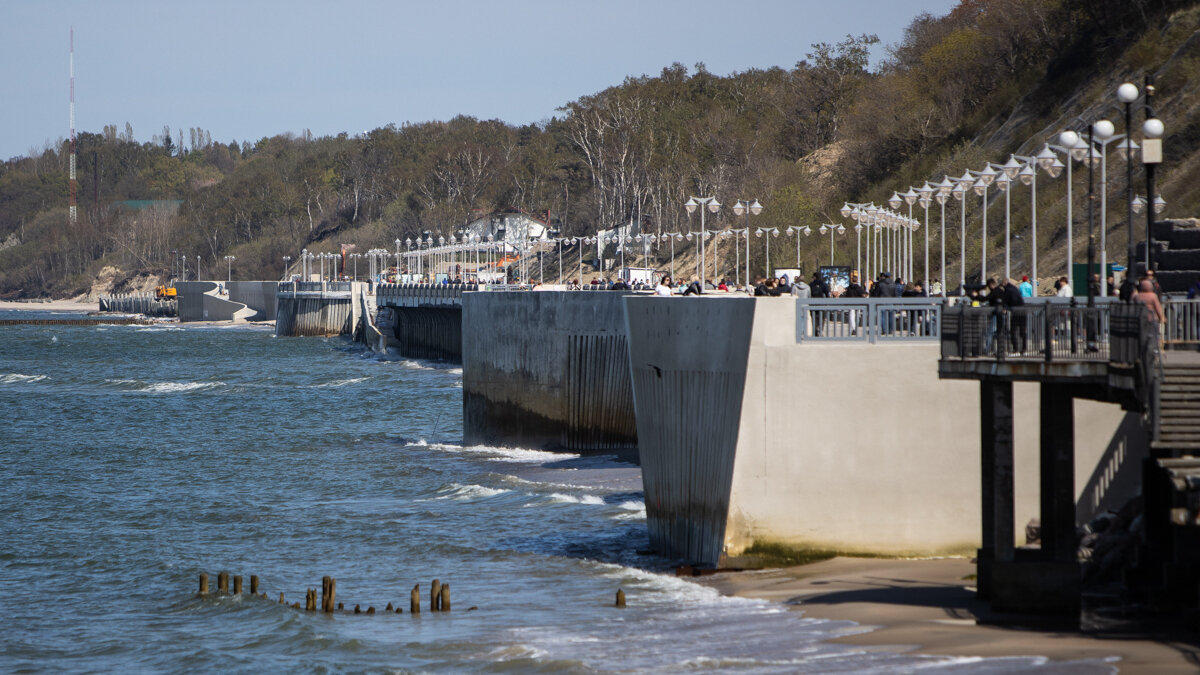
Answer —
(546, 370)
(199, 301)
(748, 436)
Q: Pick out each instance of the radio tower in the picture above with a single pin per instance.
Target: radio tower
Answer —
(73, 185)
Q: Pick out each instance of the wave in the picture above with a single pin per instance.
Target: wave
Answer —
(17, 378)
(463, 493)
(594, 500)
(516, 455)
(164, 387)
(337, 383)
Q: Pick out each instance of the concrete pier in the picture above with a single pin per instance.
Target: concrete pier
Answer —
(753, 433)
(546, 370)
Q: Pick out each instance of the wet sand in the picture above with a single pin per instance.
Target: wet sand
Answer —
(929, 607)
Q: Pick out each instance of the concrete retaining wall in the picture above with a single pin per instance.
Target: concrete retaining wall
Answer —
(198, 301)
(426, 332)
(314, 316)
(257, 295)
(748, 436)
(546, 370)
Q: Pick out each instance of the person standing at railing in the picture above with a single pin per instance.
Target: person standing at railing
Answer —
(1011, 297)
(1026, 287)
(1194, 291)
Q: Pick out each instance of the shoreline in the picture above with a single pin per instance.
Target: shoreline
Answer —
(52, 306)
(928, 607)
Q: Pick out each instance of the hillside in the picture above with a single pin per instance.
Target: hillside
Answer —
(992, 77)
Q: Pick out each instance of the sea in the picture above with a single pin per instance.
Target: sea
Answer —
(138, 457)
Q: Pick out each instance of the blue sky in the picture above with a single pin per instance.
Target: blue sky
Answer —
(247, 69)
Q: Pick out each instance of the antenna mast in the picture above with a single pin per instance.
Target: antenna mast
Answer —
(73, 184)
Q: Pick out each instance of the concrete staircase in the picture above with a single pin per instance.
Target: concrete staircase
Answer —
(1179, 402)
(1176, 247)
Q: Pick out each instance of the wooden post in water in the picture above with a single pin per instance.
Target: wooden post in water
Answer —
(281, 598)
(253, 584)
(203, 583)
(414, 603)
(620, 598)
(445, 598)
(435, 595)
(237, 584)
(357, 610)
(388, 608)
(370, 610)
(223, 582)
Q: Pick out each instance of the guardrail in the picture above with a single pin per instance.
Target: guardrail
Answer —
(869, 320)
(1183, 322)
(1050, 332)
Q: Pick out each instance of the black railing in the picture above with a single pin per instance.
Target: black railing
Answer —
(1051, 332)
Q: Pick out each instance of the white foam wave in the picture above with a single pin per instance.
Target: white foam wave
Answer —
(573, 499)
(15, 378)
(156, 329)
(464, 493)
(165, 387)
(518, 455)
(338, 383)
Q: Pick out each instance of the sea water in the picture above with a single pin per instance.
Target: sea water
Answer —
(137, 457)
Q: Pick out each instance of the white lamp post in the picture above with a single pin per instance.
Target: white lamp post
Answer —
(229, 267)
(769, 232)
(703, 203)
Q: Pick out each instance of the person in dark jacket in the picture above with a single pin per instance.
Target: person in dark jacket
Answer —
(1010, 299)
(818, 288)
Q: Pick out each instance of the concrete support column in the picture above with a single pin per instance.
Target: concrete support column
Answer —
(996, 470)
(1057, 422)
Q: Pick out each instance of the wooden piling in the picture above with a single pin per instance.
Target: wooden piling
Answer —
(341, 606)
(281, 601)
(328, 594)
(370, 610)
(444, 601)
(203, 584)
(357, 610)
(237, 584)
(620, 598)
(223, 582)
(388, 608)
(435, 595)
(414, 604)
(253, 584)
(310, 600)
(295, 605)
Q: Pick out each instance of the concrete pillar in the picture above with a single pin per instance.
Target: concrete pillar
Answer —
(1057, 438)
(996, 470)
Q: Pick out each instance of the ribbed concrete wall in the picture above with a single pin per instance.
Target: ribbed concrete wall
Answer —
(835, 446)
(138, 303)
(689, 369)
(313, 316)
(546, 370)
(427, 332)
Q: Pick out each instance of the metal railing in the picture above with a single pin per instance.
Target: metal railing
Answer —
(868, 319)
(1050, 332)
(1183, 322)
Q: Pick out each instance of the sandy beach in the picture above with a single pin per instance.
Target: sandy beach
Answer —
(929, 607)
(53, 306)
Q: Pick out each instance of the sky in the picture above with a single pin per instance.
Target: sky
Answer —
(245, 69)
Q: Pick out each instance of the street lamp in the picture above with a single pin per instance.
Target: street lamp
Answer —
(229, 268)
(286, 260)
(961, 185)
(712, 205)
(831, 228)
(769, 231)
